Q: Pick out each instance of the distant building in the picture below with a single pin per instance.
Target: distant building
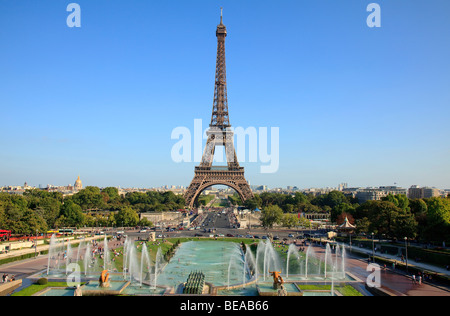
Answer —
(78, 185)
(364, 195)
(416, 192)
(431, 192)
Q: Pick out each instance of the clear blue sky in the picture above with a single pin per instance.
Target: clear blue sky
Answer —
(364, 106)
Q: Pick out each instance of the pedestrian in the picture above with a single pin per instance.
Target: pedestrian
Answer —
(414, 279)
(420, 279)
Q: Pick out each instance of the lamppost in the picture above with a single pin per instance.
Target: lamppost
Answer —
(350, 241)
(35, 245)
(406, 248)
(373, 247)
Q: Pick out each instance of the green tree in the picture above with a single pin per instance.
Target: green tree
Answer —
(89, 198)
(362, 225)
(127, 217)
(145, 222)
(438, 219)
(341, 209)
(271, 215)
(251, 204)
(33, 223)
(113, 193)
(290, 220)
(72, 214)
(399, 200)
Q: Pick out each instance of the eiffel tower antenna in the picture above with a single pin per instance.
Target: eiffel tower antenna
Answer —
(219, 134)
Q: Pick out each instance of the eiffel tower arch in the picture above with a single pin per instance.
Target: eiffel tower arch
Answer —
(219, 134)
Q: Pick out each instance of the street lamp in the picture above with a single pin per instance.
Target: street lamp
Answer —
(373, 247)
(350, 241)
(35, 245)
(406, 248)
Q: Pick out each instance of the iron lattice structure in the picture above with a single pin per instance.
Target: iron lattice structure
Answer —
(219, 134)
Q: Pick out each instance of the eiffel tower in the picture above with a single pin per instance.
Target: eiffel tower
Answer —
(219, 134)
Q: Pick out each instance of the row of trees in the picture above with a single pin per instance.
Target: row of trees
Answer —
(296, 203)
(39, 210)
(395, 216)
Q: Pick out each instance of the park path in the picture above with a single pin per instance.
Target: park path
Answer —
(390, 279)
(24, 268)
(421, 265)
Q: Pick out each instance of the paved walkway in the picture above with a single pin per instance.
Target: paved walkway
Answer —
(411, 263)
(21, 252)
(393, 280)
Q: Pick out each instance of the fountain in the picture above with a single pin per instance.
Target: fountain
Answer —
(159, 264)
(145, 265)
(87, 258)
(266, 259)
(68, 255)
(51, 252)
(233, 268)
(131, 269)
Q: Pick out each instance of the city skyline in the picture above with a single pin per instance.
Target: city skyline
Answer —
(353, 104)
(291, 187)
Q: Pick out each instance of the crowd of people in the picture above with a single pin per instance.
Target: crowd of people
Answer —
(233, 220)
(6, 278)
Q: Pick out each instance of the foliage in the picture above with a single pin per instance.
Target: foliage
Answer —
(71, 214)
(42, 281)
(127, 217)
(271, 215)
(40, 210)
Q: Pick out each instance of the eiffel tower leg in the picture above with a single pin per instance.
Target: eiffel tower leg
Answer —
(204, 179)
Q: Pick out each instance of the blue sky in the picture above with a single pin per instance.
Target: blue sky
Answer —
(366, 106)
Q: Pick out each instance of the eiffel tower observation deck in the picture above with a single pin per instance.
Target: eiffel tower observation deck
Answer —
(219, 134)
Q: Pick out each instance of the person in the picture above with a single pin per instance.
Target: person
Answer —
(420, 279)
(282, 291)
(414, 279)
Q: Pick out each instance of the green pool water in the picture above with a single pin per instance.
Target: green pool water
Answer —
(59, 292)
(212, 258)
(268, 287)
(316, 293)
(94, 286)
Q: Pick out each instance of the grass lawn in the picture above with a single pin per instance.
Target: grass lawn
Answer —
(346, 290)
(222, 203)
(34, 288)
